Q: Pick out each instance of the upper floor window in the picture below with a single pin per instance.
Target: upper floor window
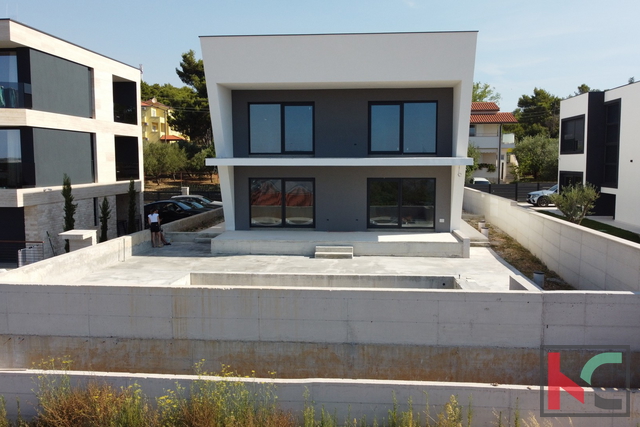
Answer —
(612, 144)
(572, 138)
(280, 128)
(472, 130)
(403, 127)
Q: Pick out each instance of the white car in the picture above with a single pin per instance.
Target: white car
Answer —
(541, 198)
(481, 181)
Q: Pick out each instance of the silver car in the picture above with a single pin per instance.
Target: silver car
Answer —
(541, 198)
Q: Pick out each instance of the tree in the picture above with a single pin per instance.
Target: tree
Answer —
(133, 209)
(482, 92)
(163, 159)
(474, 153)
(105, 214)
(575, 201)
(69, 208)
(537, 157)
(537, 114)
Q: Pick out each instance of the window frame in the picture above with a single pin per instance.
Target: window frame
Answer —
(399, 203)
(400, 150)
(584, 133)
(283, 106)
(283, 204)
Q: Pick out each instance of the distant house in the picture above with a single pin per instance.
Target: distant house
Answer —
(485, 132)
(155, 123)
(63, 109)
(341, 132)
(599, 144)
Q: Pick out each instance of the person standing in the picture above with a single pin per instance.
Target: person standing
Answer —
(154, 225)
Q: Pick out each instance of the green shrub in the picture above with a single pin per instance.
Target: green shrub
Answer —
(575, 201)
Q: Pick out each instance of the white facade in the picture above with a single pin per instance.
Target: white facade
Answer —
(339, 62)
(617, 171)
(50, 99)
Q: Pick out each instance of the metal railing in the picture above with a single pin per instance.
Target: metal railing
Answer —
(16, 253)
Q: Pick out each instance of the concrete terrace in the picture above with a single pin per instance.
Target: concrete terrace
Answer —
(484, 270)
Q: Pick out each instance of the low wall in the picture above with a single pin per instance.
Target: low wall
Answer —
(367, 331)
(585, 258)
(345, 398)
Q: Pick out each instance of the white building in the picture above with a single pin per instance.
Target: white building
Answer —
(600, 144)
(63, 109)
(341, 132)
(485, 132)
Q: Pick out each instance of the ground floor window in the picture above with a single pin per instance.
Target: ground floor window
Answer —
(401, 202)
(279, 202)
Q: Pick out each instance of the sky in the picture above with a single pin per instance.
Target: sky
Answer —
(555, 45)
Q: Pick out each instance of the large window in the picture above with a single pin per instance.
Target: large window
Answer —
(282, 202)
(612, 144)
(280, 128)
(572, 139)
(401, 202)
(10, 159)
(403, 127)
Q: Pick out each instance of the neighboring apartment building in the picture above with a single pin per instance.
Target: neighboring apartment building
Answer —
(155, 123)
(600, 144)
(63, 109)
(485, 132)
(341, 132)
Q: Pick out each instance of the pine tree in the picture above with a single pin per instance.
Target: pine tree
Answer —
(69, 208)
(105, 214)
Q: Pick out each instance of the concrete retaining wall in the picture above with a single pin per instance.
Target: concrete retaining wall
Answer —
(585, 258)
(345, 398)
(387, 326)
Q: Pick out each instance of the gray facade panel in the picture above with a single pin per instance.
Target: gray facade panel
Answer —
(60, 86)
(341, 192)
(57, 152)
(342, 116)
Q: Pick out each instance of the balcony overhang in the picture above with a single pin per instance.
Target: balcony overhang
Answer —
(341, 161)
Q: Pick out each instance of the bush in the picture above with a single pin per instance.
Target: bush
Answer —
(575, 201)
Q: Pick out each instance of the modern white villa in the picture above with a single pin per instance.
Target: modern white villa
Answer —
(341, 132)
(599, 144)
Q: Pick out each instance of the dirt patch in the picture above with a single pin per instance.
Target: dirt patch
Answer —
(185, 181)
(521, 259)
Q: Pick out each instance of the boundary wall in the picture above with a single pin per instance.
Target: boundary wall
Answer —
(492, 336)
(585, 258)
(343, 397)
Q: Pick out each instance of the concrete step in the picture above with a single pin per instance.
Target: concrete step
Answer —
(334, 252)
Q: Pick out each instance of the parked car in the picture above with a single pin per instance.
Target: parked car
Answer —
(481, 181)
(205, 201)
(171, 210)
(541, 198)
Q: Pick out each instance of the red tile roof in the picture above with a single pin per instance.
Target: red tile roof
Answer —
(496, 118)
(484, 106)
(172, 138)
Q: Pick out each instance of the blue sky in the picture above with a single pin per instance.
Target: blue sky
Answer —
(555, 45)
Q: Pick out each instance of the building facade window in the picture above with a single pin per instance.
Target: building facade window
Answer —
(403, 127)
(572, 136)
(612, 144)
(10, 159)
(401, 202)
(281, 128)
(279, 202)
(472, 130)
